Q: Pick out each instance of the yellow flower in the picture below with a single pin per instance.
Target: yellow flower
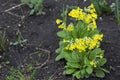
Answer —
(62, 26)
(94, 66)
(74, 13)
(72, 47)
(69, 28)
(98, 37)
(93, 44)
(81, 15)
(94, 15)
(58, 21)
(88, 18)
(64, 41)
(91, 63)
(101, 55)
(91, 6)
(101, 36)
(92, 10)
(94, 27)
(66, 48)
(80, 41)
(81, 48)
(88, 28)
(77, 14)
(87, 41)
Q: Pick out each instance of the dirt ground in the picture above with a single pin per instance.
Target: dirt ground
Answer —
(40, 31)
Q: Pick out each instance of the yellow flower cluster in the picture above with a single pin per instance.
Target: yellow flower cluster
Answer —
(77, 14)
(88, 15)
(83, 44)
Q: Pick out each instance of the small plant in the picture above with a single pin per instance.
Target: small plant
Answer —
(80, 43)
(20, 40)
(27, 73)
(101, 6)
(3, 44)
(117, 10)
(35, 5)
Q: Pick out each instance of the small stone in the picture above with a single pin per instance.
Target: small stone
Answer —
(8, 26)
(101, 18)
(19, 25)
(0, 66)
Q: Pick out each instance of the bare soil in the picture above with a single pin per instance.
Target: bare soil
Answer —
(40, 31)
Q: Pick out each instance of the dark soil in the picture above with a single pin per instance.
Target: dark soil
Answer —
(40, 31)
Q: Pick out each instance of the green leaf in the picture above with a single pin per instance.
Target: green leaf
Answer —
(32, 12)
(100, 73)
(59, 57)
(69, 71)
(67, 56)
(89, 70)
(77, 74)
(87, 76)
(31, 6)
(102, 62)
(23, 41)
(73, 65)
(83, 72)
(72, 57)
(58, 50)
(61, 34)
(62, 54)
(93, 32)
(75, 57)
(105, 70)
(93, 54)
(74, 33)
(86, 61)
(81, 29)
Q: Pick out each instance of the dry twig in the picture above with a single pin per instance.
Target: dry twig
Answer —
(7, 10)
(41, 65)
